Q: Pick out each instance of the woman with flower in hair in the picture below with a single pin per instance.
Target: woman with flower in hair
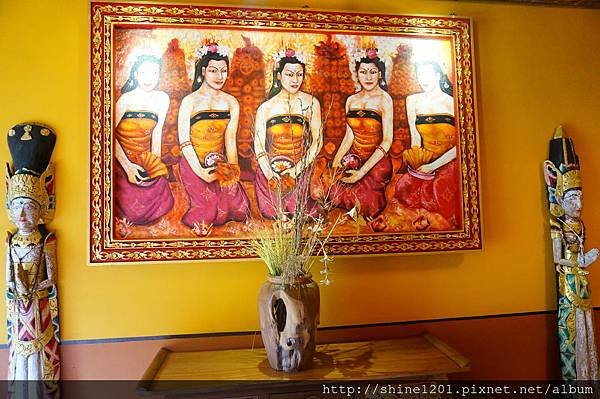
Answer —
(287, 137)
(208, 123)
(432, 181)
(362, 154)
(142, 192)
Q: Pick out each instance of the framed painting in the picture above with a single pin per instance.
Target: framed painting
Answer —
(198, 112)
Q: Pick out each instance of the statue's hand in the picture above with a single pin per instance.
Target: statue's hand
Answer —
(590, 257)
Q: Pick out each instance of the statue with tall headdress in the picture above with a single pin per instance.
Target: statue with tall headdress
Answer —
(575, 314)
(31, 295)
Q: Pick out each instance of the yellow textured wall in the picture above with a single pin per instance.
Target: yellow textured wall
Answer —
(536, 68)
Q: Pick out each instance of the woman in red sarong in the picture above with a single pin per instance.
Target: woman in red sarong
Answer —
(287, 138)
(432, 181)
(208, 123)
(362, 154)
(142, 192)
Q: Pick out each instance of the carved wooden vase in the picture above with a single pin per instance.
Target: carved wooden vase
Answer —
(289, 315)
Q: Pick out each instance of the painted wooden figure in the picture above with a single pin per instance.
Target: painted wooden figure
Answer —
(31, 295)
(578, 355)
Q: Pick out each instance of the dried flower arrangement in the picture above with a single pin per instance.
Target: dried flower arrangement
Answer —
(291, 242)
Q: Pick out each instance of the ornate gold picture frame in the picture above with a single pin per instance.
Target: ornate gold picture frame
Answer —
(185, 128)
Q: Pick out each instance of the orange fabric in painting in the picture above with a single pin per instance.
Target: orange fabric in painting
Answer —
(286, 139)
(135, 136)
(368, 134)
(437, 137)
(208, 135)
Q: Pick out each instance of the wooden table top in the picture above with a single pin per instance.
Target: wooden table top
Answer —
(413, 357)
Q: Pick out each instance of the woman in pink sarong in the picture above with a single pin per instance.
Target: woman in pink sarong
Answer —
(362, 154)
(208, 122)
(142, 192)
(287, 138)
(432, 178)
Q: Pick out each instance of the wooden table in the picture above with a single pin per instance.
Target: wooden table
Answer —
(245, 373)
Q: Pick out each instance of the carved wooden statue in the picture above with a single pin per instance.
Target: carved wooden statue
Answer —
(575, 314)
(31, 296)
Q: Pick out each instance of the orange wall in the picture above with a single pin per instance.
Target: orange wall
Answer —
(535, 69)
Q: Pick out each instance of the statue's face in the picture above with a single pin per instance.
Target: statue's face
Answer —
(572, 203)
(25, 214)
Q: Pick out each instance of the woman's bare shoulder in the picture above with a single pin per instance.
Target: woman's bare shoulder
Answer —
(308, 98)
(414, 97)
(449, 101)
(230, 99)
(265, 105)
(188, 100)
(161, 95)
(125, 98)
(385, 97)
